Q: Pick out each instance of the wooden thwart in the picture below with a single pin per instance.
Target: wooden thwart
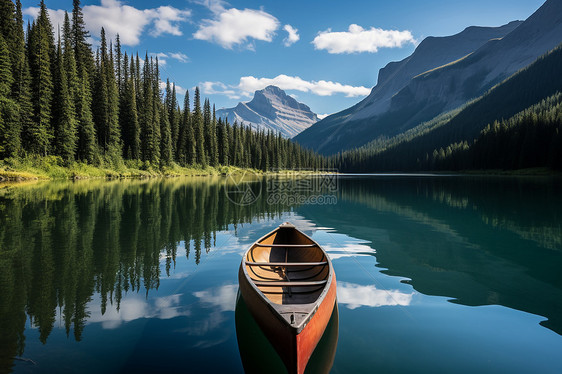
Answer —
(286, 263)
(286, 245)
(290, 284)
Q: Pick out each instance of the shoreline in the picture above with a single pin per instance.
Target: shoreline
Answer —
(45, 169)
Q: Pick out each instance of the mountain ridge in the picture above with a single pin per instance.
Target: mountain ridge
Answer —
(394, 107)
(272, 109)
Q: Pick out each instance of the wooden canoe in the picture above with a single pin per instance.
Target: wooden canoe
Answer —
(288, 283)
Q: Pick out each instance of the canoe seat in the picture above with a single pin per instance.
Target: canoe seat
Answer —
(291, 284)
(286, 263)
(287, 245)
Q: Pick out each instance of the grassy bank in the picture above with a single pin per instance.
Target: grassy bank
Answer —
(51, 168)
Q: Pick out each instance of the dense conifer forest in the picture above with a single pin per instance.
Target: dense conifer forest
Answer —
(516, 125)
(61, 99)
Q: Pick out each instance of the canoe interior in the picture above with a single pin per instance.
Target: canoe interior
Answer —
(262, 275)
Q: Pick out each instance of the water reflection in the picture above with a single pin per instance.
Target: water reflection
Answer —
(356, 295)
(477, 240)
(63, 242)
(258, 355)
(120, 257)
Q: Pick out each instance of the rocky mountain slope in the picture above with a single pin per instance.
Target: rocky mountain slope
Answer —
(271, 108)
(442, 74)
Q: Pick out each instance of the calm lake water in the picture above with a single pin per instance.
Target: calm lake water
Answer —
(436, 274)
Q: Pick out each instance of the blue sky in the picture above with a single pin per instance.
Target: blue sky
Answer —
(325, 53)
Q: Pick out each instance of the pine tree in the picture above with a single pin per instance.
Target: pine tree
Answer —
(9, 110)
(149, 143)
(82, 49)
(39, 134)
(173, 117)
(188, 155)
(21, 90)
(166, 151)
(197, 120)
(100, 110)
(87, 148)
(69, 60)
(128, 114)
(214, 150)
(207, 130)
(63, 111)
(156, 112)
(114, 146)
(8, 31)
(106, 114)
(223, 142)
(118, 65)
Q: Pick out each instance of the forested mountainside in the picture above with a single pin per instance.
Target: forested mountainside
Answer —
(517, 124)
(401, 101)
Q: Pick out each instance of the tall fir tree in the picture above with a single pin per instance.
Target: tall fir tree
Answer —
(87, 147)
(9, 110)
(119, 64)
(39, 134)
(156, 103)
(82, 49)
(149, 143)
(199, 135)
(115, 146)
(69, 60)
(223, 142)
(173, 115)
(207, 129)
(64, 117)
(8, 30)
(214, 150)
(22, 80)
(187, 142)
(100, 110)
(128, 114)
(106, 114)
(166, 151)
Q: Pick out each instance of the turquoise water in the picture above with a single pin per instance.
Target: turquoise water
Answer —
(435, 274)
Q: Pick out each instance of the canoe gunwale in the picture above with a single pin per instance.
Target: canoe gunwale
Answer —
(279, 309)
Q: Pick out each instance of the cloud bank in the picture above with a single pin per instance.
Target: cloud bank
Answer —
(357, 40)
(233, 26)
(125, 20)
(249, 84)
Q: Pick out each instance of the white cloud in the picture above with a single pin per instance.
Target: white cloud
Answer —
(322, 116)
(233, 26)
(166, 19)
(181, 57)
(133, 307)
(355, 296)
(218, 88)
(250, 84)
(357, 39)
(56, 17)
(293, 36)
(223, 298)
(163, 57)
(180, 90)
(125, 20)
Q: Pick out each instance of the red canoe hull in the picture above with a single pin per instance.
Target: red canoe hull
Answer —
(294, 348)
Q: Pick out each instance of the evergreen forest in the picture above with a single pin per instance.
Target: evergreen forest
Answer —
(61, 99)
